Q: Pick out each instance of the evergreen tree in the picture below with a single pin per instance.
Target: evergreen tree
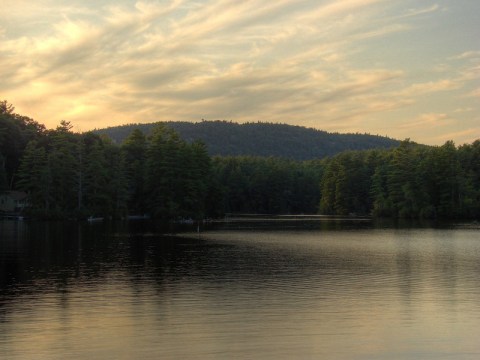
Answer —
(16, 132)
(328, 186)
(64, 163)
(3, 174)
(382, 206)
(400, 183)
(96, 180)
(266, 185)
(163, 183)
(134, 151)
(469, 158)
(448, 180)
(35, 178)
(197, 174)
(116, 189)
(342, 190)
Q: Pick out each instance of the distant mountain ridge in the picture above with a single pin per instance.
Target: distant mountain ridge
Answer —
(261, 139)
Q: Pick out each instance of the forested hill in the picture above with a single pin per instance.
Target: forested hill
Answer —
(261, 139)
(68, 175)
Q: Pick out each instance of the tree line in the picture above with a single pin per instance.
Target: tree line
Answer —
(72, 175)
(226, 138)
(410, 181)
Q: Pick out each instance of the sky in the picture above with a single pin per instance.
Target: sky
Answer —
(397, 68)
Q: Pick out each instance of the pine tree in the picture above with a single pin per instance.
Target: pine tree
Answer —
(134, 152)
(35, 178)
(3, 174)
(116, 188)
(163, 181)
(328, 186)
(342, 190)
(96, 181)
(400, 179)
(469, 183)
(64, 163)
(448, 172)
(197, 174)
(381, 204)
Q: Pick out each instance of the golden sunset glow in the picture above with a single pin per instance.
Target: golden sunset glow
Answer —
(396, 68)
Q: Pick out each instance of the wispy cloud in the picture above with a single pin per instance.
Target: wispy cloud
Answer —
(430, 87)
(422, 11)
(475, 93)
(428, 120)
(463, 110)
(465, 136)
(467, 55)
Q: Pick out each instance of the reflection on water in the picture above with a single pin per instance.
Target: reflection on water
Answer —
(121, 291)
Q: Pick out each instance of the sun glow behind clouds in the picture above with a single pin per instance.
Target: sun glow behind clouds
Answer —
(353, 65)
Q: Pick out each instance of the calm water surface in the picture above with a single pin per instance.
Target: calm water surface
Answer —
(122, 291)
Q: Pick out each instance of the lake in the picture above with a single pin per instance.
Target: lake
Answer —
(246, 290)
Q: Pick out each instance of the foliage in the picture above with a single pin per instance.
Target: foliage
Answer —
(224, 138)
(267, 185)
(71, 175)
(35, 176)
(15, 133)
(410, 181)
(177, 176)
(134, 150)
(3, 174)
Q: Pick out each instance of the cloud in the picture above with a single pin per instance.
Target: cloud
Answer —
(303, 62)
(339, 8)
(385, 30)
(416, 12)
(467, 55)
(428, 120)
(466, 136)
(430, 87)
(475, 93)
(360, 82)
(464, 110)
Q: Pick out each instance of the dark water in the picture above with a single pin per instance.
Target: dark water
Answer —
(106, 291)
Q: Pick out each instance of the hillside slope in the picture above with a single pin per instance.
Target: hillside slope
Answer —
(262, 139)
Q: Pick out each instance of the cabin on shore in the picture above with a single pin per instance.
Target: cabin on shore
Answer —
(13, 202)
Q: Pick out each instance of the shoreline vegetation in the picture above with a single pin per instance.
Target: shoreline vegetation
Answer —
(67, 175)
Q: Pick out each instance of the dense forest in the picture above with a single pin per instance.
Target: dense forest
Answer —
(71, 175)
(224, 138)
(409, 181)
